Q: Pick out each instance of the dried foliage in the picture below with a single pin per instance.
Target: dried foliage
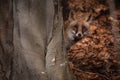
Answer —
(96, 55)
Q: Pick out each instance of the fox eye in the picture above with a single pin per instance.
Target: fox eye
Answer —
(73, 32)
(84, 29)
(75, 28)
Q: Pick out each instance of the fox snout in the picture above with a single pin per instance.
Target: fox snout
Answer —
(79, 35)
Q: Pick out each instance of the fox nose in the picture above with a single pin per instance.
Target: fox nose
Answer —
(79, 35)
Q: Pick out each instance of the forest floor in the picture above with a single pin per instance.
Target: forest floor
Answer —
(95, 56)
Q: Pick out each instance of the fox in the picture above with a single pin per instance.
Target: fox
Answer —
(74, 32)
(77, 27)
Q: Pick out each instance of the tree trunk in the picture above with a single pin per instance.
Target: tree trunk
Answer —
(55, 58)
(31, 40)
(6, 39)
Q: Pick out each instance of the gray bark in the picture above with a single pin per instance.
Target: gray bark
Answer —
(55, 60)
(32, 48)
(29, 40)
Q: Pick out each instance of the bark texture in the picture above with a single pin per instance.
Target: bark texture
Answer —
(31, 40)
(6, 39)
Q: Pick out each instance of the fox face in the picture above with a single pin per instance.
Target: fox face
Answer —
(75, 31)
(72, 30)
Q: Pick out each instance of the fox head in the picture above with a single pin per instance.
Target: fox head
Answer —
(76, 31)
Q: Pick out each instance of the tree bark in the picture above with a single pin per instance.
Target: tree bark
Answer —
(55, 58)
(6, 39)
(31, 40)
